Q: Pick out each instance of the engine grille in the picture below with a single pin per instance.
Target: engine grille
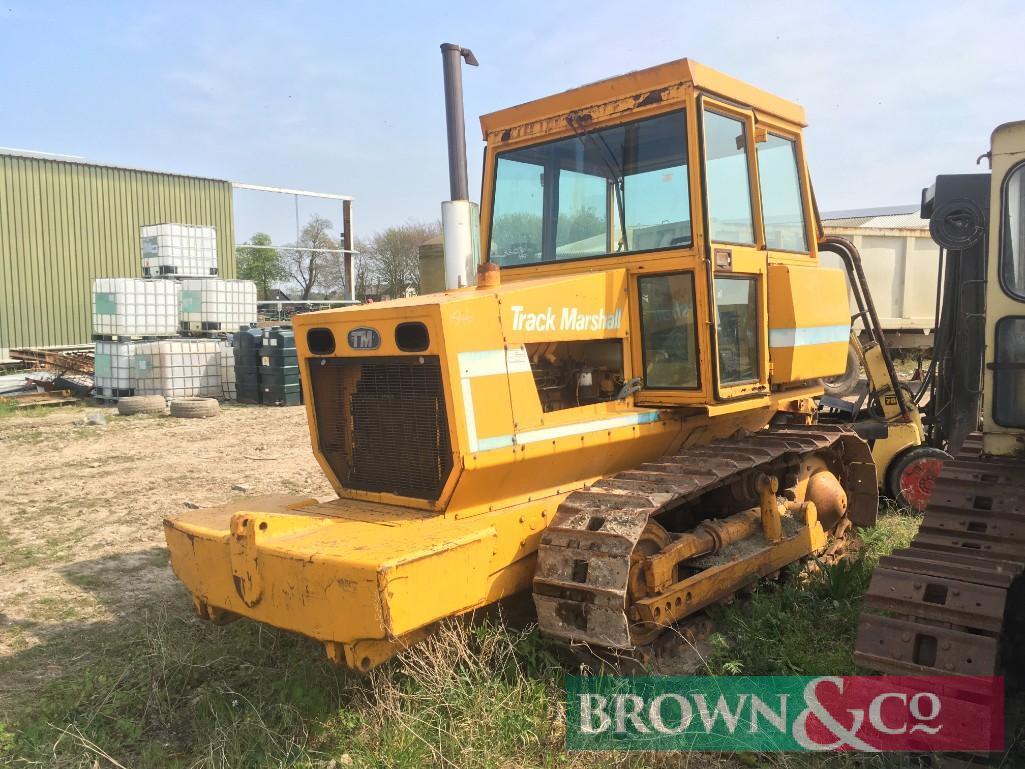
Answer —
(382, 423)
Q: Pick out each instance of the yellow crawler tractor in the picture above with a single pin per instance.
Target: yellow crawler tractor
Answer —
(618, 415)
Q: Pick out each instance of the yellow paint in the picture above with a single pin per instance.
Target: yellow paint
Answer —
(369, 572)
(793, 310)
(900, 436)
(901, 433)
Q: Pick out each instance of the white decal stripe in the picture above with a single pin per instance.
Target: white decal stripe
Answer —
(581, 428)
(803, 337)
(471, 418)
(492, 362)
(515, 361)
(486, 363)
(483, 363)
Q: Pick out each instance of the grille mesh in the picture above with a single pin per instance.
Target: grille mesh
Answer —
(382, 423)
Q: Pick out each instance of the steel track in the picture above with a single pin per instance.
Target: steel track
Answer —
(580, 584)
(945, 597)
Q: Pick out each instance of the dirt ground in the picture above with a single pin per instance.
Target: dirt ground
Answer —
(81, 539)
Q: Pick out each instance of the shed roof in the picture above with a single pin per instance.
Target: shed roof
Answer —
(889, 218)
(77, 161)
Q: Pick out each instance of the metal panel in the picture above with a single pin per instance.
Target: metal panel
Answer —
(382, 423)
(64, 223)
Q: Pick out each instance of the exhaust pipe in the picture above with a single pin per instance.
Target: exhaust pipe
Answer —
(460, 219)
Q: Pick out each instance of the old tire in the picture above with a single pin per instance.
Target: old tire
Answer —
(195, 408)
(910, 476)
(141, 404)
(839, 386)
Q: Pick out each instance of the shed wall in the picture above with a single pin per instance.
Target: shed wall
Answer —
(63, 224)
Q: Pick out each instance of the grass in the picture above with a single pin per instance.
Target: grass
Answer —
(58, 546)
(173, 692)
(8, 409)
(15, 556)
(166, 690)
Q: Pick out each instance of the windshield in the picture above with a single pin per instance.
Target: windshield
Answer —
(614, 190)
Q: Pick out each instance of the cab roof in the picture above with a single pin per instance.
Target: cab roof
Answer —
(672, 73)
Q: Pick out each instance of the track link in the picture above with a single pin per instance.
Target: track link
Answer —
(945, 596)
(581, 580)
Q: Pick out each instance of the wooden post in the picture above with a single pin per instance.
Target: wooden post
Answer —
(348, 244)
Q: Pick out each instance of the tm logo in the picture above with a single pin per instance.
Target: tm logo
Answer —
(785, 713)
(364, 339)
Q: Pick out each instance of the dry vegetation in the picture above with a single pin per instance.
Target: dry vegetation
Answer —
(103, 665)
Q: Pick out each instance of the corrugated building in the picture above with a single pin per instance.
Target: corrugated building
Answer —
(63, 223)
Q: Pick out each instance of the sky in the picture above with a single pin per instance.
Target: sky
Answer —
(347, 97)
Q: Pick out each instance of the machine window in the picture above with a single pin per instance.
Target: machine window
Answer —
(518, 207)
(1009, 383)
(728, 181)
(782, 206)
(736, 325)
(1012, 233)
(669, 331)
(583, 224)
(599, 192)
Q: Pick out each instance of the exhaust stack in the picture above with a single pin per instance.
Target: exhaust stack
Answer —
(460, 218)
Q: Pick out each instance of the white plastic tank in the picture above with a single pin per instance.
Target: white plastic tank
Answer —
(179, 250)
(135, 307)
(178, 368)
(113, 377)
(229, 391)
(217, 305)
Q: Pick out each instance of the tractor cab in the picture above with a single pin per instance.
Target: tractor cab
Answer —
(695, 186)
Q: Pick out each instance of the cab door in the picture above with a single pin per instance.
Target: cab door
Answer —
(1004, 375)
(736, 257)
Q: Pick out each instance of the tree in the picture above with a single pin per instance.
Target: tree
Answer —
(306, 262)
(365, 277)
(390, 260)
(262, 265)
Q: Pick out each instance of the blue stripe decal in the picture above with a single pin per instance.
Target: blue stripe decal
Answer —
(803, 337)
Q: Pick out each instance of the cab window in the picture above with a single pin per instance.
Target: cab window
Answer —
(668, 331)
(1012, 234)
(782, 205)
(736, 326)
(727, 180)
(599, 192)
(517, 210)
(1009, 373)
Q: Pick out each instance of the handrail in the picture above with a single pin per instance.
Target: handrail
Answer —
(851, 258)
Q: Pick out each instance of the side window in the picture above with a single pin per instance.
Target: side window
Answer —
(1012, 234)
(1009, 382)
(782, 206)
(727, 179)
(736, 326)
(516, 224)
(668, 331)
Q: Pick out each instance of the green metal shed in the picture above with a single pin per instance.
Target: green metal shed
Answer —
(63, 223)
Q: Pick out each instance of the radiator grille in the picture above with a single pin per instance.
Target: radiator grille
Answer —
(382, 423)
